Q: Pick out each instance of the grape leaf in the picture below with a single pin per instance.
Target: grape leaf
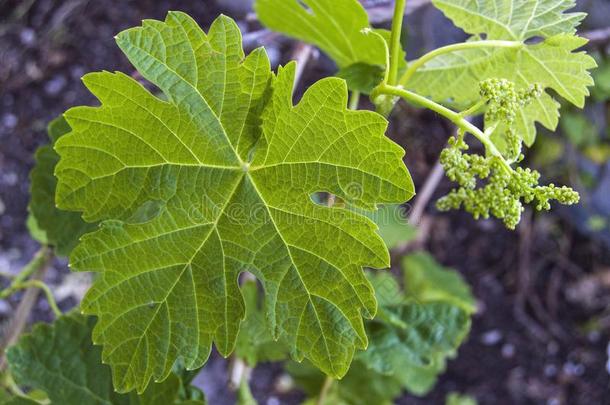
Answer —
(512, 19)
(216, 181)
(425, 280)
(61, 360)
(453, 78)
(56, 227)
(341, 29)
(413, 341)
(334, 26)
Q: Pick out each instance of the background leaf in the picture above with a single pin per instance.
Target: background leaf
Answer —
(255, 342)
(426, 281)
(394, 226)
(61, 360)
(47, 223)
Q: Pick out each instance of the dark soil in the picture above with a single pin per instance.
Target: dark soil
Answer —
(541, 335)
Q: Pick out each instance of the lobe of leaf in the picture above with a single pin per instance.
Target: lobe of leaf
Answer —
(512, 19)
(216, 181)
(454, 78)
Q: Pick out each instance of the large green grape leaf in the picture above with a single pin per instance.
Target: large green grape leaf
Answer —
(216, 181)
(62, 229)
(61, 360)
(454, 78)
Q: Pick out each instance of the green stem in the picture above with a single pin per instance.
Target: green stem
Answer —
(328, 382)
(416, 64)
(354, 100)
(9, 383)
(39, 260)
(21, 282)
(399, 12)
(42, 257)
(457, 118)
(47, 292)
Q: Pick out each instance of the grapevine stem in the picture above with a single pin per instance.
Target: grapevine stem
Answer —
(35, 270)
(399, 12)
(47, 292)
(457, 118)
(40, 260)
(354, 100)
(416, 64)
(328, 382)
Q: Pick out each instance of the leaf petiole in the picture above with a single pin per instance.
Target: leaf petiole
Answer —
(328, 383)
(418, 63)
(21, 282)
(354, 100)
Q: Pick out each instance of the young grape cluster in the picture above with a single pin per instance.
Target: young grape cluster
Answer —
(503, 102)
(487, 185)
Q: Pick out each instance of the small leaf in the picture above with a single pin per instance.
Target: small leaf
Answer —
(230, 164)
(415, 354)
(454, 78)
(361, 77)
(48, 224)
(61, 360)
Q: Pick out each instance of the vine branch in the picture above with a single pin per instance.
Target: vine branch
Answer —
(34, 270)
(328, 382)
